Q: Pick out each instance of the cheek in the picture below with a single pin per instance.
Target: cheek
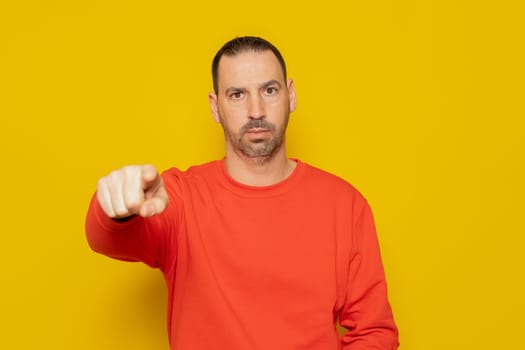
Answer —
(230, 121)
(233, 114)
(278, 108)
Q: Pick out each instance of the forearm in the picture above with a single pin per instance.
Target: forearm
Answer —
(367, 314)
(119, 239)
(376, 330)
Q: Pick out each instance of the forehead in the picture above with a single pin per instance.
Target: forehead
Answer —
(249, 67)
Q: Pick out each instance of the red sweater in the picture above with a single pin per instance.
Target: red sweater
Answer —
(266, 268)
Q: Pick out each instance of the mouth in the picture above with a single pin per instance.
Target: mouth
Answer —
(257, 135)
(257, 130)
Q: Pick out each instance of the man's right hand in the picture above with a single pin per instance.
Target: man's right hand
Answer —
(132, 190)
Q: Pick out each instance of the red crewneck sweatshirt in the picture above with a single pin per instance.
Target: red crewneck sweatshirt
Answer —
(260, 268)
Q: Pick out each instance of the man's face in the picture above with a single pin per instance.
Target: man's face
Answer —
(253, 103)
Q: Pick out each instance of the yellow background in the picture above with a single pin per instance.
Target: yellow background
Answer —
(420, 104)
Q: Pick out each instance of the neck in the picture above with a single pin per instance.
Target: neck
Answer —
(258, 171)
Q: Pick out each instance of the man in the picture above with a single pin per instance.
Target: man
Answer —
(258, 251)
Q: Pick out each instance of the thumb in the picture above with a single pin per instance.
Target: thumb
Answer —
(154, 205)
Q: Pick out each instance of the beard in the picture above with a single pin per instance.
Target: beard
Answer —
(258, 149)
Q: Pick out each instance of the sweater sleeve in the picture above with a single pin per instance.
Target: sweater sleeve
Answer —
(366, 313)
(149, 240)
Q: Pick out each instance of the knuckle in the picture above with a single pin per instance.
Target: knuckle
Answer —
(109, 212)
(115, 175)
(130, 170)
(101, 183)
(120, 211)
(127, 169)
(132, 202)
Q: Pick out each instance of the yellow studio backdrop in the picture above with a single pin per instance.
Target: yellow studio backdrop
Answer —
(419, 104)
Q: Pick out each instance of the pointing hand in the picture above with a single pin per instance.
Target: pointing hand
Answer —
(132, 190)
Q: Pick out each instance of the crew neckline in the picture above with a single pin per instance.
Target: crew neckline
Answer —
(259, 191)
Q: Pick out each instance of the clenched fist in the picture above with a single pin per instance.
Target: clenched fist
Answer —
(132, 190)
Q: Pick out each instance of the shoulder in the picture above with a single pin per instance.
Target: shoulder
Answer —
(176, 179)
(331, 185)
(193, 171)
(333, 191)
(325, 178)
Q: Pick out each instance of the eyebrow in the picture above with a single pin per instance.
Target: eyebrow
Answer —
(234, 89)
(261, 86)
(269, 83)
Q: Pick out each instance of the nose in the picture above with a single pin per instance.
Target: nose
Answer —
(256, 107)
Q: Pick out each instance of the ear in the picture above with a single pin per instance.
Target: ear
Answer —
(291, 94)
(212, 99)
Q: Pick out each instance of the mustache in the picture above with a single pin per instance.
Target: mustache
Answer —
(257, 124)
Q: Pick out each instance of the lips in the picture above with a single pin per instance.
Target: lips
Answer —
(257, 134)
(257, 130)
(257, 126)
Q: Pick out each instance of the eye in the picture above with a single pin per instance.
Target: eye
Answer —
(270, 90)
(236, 95)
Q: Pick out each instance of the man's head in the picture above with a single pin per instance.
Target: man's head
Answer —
(241, 45)
(253, 99)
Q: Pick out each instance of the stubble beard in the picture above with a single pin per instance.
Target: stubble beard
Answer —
(258, 151)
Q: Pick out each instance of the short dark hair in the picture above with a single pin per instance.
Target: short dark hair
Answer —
(240, 45)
